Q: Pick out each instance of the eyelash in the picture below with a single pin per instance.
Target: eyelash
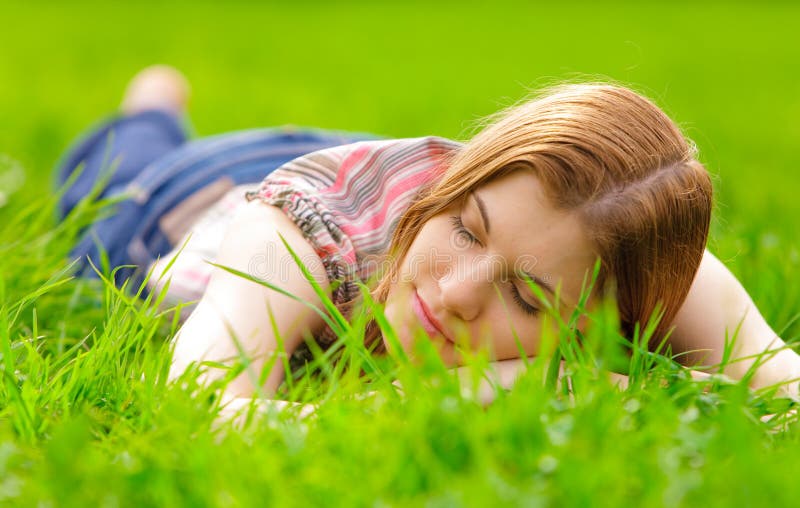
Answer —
(458, 226)
(525, 306)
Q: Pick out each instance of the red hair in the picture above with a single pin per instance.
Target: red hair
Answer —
(619, 162)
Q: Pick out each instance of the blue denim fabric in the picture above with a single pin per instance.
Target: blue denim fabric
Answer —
(157, 169)
(126, 143)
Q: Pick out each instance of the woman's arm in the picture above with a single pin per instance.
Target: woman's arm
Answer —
(234, 306)
(717, 305)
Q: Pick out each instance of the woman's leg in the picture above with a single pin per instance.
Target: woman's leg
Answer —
(148, 127)
(160, 176)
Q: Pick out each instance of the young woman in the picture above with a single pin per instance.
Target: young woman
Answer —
(452, 232)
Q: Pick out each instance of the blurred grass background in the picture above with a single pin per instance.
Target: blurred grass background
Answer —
(727, 72)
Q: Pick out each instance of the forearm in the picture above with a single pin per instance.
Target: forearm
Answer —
(718, 307)
(504, 374)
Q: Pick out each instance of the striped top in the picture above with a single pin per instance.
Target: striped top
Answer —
(346, 200)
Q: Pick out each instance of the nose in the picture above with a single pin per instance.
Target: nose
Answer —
(467, 286)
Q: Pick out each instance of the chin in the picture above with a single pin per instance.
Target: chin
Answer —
(403, 345)
(445, 350)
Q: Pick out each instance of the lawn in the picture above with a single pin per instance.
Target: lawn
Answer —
(86, 416)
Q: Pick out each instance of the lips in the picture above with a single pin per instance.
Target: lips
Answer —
(428, 320)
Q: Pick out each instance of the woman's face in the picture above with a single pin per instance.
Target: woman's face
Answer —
(463, 275)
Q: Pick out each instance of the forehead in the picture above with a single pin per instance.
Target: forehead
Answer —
(527, 230)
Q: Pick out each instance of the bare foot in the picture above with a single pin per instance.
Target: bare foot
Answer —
(156, 87)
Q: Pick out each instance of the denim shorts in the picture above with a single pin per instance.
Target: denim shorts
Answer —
(151, 168)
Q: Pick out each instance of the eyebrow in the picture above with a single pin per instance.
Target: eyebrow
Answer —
(485, 217)
(539, 282)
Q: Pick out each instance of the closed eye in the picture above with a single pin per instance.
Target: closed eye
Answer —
(462, 231)
(525, 306)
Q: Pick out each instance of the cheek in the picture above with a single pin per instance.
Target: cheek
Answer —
(510, 334)
(435, 252)
(397, 314)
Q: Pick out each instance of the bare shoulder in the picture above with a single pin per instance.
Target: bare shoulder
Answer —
(254, 241)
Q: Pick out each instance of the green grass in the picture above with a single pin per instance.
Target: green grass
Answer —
(86, 417)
